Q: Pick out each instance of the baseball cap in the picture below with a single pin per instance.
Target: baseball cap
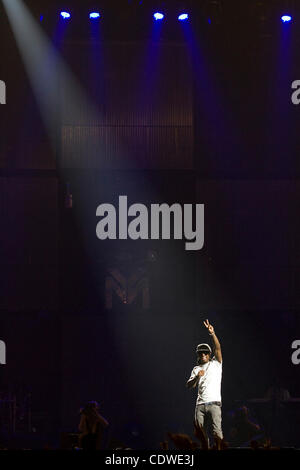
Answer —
(203, 347)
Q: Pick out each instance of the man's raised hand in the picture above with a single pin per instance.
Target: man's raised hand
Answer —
(209, 327)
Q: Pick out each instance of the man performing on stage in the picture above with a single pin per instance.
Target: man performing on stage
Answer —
(208, 375)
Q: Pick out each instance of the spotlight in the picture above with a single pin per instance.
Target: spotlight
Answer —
(158, 16)
(183, 17)
(286, 18)
(94, 15)
(65, 15)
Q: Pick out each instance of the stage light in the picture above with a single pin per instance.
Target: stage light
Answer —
(65, 15)
(183, 17)
(286, 18)
(94, 15)
(158, 16)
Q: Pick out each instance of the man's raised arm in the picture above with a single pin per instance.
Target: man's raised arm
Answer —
(217, 345)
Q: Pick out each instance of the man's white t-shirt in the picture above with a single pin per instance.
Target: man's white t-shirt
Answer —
(209, 385)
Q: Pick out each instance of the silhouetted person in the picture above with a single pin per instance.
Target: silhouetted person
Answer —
(277, 391)
(91, 427)
(243, 430)
(182, 441)
(279, 424)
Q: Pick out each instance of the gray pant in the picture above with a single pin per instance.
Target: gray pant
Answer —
(209, 417)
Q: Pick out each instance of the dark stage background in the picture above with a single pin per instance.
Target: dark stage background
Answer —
(197, 113)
